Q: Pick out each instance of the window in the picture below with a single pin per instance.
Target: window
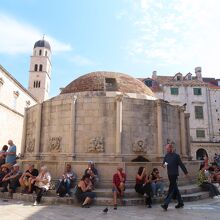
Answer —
(200, 133)
(148, 83)
(197, 91)
(189, 77)
(198, 112)
(1, 81)
(36, 84)
(40, 52)
(174, 91)
(178, 78)
(35, 67)
(45, 53)
(41, 68)
(110, 84)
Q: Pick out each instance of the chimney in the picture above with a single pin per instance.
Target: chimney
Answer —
(198, 72)
(154, 75)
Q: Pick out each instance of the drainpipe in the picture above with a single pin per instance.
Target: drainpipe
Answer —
(208, 111)
(211, 112)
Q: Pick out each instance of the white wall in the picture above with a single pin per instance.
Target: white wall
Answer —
(12, 109)
(214, 95)
(187, 96)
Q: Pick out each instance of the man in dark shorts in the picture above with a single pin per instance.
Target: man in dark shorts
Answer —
(27, 179)
(118, 189)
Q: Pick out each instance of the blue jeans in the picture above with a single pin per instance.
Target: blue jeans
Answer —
(66, 183)
(157, 186)
(173, 191)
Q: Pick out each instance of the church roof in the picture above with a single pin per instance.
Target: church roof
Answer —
(42, 43)
(107, 81)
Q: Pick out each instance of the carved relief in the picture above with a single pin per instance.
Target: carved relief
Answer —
(30, 145)
(55, 144)
(96, 145)
(119, 97)
(139, 147)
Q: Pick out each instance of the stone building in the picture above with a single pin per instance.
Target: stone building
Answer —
(200, 97)
(14, 98)
(40, 71)
(107, 117)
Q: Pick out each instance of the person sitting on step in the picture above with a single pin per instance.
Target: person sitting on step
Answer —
(84, 192)
(4, 170)
(204, 181)
(27, 178)
(42, 184)
(118, 189)
(66, 182)
(11, 179)
(157, 183)
(92, 172)
(143, 185)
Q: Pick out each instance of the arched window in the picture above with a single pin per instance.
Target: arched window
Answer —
(45, 53)
(38, 84)
(35, 67)
(41, 68)
(34, 84)
(40, 52)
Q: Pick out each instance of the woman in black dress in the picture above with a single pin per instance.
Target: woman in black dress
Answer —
(84, 191)
(143, 185)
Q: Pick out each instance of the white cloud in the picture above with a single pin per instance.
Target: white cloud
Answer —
(180, 32)
(81, 61)
(18, 37)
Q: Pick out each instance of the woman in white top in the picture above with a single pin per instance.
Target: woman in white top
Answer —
(42, 184)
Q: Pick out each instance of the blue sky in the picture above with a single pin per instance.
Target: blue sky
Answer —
(130, 36)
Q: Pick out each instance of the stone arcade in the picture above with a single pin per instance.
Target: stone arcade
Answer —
(110, 118)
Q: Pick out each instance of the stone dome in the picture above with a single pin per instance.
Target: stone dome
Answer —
(107, 81)
(42, 43)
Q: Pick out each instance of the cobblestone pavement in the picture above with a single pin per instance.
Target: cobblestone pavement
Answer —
(16, 210)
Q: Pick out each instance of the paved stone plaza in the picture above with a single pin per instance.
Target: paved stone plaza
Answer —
(205, 209)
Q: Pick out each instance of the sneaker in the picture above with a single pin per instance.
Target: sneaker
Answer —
(35, 203)
(216, 197)
(86, 206)
(67, 195)
(180, 205)
(164, 207)
(115, 207)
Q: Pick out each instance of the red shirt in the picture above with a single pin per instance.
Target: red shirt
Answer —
(116, 179)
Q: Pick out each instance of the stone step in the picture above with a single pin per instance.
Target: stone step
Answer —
(105, 201)
(130, 192)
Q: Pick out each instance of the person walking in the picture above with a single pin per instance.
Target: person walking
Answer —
(172, 161)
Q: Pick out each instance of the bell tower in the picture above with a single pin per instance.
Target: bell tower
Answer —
(40, 71)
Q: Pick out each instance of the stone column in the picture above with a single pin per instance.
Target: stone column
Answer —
(38, 130)
(118, 123)
(182, 133)
(24, 132)
(73, 127)
(159, 130)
